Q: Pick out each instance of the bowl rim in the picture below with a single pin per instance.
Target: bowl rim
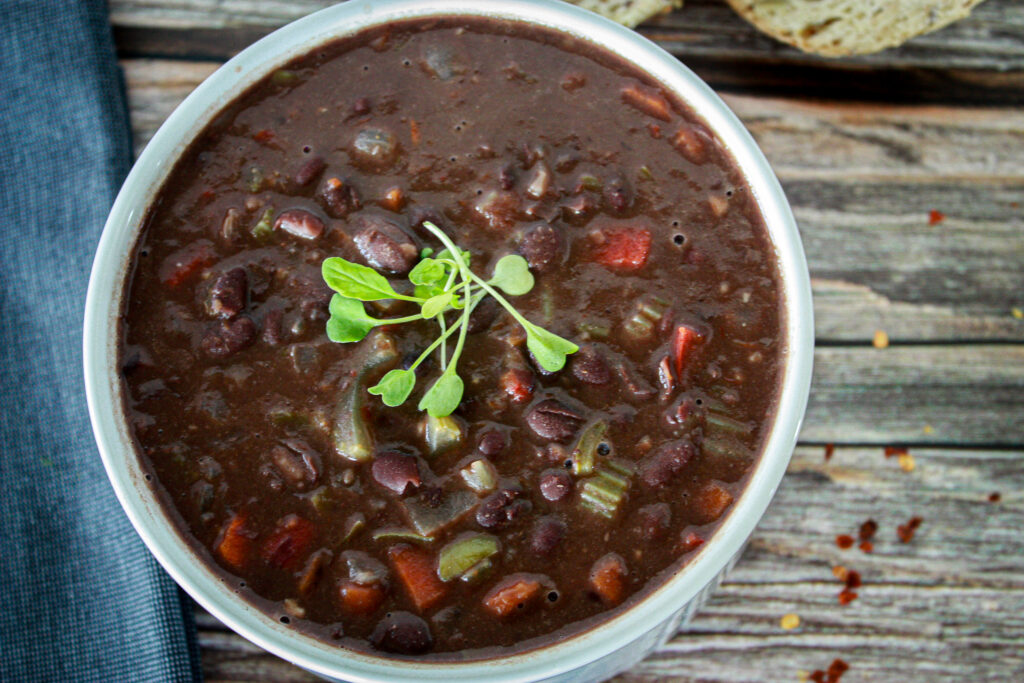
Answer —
(111, 266)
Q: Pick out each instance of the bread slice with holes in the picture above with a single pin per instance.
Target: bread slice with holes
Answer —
(629, 12)
(838, 28)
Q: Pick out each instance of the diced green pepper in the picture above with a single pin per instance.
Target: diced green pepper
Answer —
(284, 77)
(395, 534)
(463, 554)
(254, 181)
(724, 423)
(350, 434)
(441, 433)
(264, 227)
(604, 492)
(480, 475)
(428, 520)
(584, 454)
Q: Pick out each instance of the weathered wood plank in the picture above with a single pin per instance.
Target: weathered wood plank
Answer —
(949, 606)
(980, 59)
(862, 180)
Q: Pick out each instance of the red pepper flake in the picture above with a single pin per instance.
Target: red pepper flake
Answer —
(867, 530)
(906, 531)
(834, 672)
(263, 136)
(895, 451)
(846, 596)
(844, 541)
(866, 546)
(935, 217)
(830, 448)
(995, 497)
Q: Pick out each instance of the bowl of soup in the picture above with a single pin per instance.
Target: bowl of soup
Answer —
(448, 341)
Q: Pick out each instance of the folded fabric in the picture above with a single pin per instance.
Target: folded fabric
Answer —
(82, 598)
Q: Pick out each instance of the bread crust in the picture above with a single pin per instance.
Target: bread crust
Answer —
(839, 28)
(629, 12)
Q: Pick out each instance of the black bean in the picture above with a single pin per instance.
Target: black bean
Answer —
(418, 213)
(483, 316)
(228, 337)
(543, 247)
(339, 198)
(492, 442)
(547, 534)
(553, 421)
(384, 245)
(653, 521)
(396, 471)
(403, 633)
(501, 508)
(618, 193)
(310, 171)
(660, 467)
(300, 223)
(555, 484)
(589, 365)
(228, 293)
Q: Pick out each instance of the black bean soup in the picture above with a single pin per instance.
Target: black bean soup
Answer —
(547, 501)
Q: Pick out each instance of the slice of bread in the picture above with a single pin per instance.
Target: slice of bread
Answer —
(837, 28)
(628, 12)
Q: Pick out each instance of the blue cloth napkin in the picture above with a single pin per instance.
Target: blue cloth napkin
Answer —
(82, 599)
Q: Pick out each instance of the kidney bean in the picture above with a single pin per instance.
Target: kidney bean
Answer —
(272, 332)
(497, 210)
(518, 384)
(483, 316)
(297, 462)
(396, 471)
(288, 542)
(589, 365)
(228, 294)
(543, 247)
(653, 521)
(501, 508)
(228, 337)
(385, 246)
(309, 171)
(492, 442)
(403, 633)
(339, 198)
(618, 193)
(553, 421)
(547, 534)
(555, 484)
(300, 223)
(660, 467)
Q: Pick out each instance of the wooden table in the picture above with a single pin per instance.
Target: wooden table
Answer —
(865, 148)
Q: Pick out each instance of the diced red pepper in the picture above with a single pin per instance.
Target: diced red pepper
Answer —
(417, 572)
(518, 384)
(711, 501)
(649, 103)
(608, 578)
(288, 543)
(683, 340)
(180, 265)
(360, 600)
(510, 596)
(235, 544)
(623, 248)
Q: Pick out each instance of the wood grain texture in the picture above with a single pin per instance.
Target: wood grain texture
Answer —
(949, 606)
(979, 59)
(862, 180)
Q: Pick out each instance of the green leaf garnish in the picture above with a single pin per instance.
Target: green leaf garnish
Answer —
(442, 282)
(512, 275)
(394, 387)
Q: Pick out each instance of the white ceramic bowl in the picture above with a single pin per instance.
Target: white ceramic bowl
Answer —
(593, 655)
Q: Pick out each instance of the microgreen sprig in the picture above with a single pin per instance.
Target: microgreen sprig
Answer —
(442, 282)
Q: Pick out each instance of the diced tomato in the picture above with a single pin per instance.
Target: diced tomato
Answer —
(690, 542)
(512, 595)
(235, 545)
(417, 572)
(180, 265)
(263, 136)
(608, 578)
(711, 501)
(518, 384)
(682, 342)
(360, 600)
(288, 543)
(623, 248)
(649, 103)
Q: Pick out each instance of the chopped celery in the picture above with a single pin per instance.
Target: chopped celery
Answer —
(645, 173)
(727, 424)
(590, 182)
(254, 181)
(396, 534)
(584, 454)
(593, 329)
(264, 227)
(547, 305)
(464, 553)
(724, 446)
(284, 77)
(648, 313)
(441, 433)
(604, 492)
(480, 475)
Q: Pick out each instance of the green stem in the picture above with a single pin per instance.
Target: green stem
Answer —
(527, 325)
(396, 321)
(440, 340)
(444, 346)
